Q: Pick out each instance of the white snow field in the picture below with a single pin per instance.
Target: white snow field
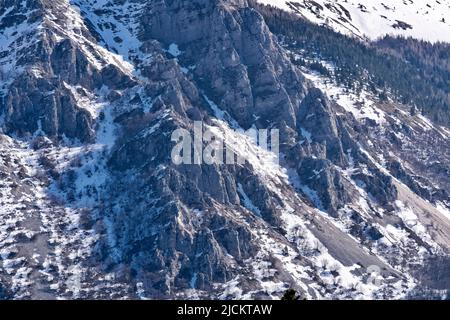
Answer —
(372, 19)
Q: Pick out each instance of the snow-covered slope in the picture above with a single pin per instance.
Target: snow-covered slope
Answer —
(426, 20)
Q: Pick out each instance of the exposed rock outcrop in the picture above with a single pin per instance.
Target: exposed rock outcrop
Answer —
(87, 166)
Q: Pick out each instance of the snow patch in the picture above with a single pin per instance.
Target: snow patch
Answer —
(173, 50)
(372, 19)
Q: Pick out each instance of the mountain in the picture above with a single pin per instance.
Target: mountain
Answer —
(373, 19)
(93, 206)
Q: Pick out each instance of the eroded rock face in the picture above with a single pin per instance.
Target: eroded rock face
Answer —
(237, 61)
(49, 67)
(35, 105)
(69, 62)
(199, 238)
(100, 92)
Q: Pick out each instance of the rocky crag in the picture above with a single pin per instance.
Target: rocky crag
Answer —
(92, 206)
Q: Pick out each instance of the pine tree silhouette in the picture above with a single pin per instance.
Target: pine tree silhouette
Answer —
(290, 295)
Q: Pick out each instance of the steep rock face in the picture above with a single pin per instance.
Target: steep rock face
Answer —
(200, 241)
(186, 200)
(317, 119)
(234, 57)
(49, 64)
(35, 105)
(120, 77)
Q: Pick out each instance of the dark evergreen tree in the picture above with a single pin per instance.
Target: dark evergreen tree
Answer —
(290, 295)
